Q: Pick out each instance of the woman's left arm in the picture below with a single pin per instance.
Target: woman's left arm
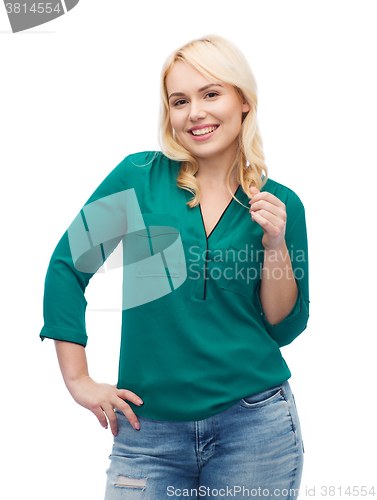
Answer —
(278, 290)
(283, 282)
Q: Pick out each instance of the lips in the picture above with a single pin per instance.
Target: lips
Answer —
(208, 132)
(200, 127)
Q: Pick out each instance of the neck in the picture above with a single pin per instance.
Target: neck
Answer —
(212, 172)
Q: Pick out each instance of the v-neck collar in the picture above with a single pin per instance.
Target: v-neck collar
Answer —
(221, 224)
(221, 216)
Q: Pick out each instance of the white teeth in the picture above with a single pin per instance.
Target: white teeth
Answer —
(203, 131)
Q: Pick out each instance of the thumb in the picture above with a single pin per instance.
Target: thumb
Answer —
(253, 190)
(121, 393)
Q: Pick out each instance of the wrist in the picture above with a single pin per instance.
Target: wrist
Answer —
(279, 250)
(73, 382)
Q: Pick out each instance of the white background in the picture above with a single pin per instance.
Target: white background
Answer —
(82, 92)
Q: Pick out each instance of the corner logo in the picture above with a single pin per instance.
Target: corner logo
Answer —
(27, 14)
(152, 256)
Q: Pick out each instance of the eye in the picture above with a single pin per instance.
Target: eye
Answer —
(212, 93)
(178, 102)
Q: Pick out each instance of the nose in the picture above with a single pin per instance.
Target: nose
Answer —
(197, 111)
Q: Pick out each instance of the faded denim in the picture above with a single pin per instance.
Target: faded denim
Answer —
(252, 450)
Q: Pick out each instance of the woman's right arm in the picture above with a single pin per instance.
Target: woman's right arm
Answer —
(82, 250)
(100, 399)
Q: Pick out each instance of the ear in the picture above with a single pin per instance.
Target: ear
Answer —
(245, 107)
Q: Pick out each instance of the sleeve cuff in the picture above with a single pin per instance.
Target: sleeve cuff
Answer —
(292, 325)
(69, 336)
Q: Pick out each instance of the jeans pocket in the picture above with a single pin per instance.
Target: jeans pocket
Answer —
(298, 425)
(293, 414)
(263, 398)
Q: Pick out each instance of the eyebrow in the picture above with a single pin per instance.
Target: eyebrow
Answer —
(199, 90)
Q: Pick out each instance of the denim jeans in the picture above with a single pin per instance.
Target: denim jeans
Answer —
(254, 449)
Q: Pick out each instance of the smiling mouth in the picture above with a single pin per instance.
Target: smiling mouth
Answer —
(203, 131)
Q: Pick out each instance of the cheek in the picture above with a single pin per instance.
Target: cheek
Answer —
(231, 116)
(235, 121)
(176, 121)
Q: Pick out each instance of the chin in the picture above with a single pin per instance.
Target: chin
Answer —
(202, 148)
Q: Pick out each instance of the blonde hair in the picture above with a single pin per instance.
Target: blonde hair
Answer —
(216, 57)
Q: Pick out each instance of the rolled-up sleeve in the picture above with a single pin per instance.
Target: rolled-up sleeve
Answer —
(296, 321)
(64, 303)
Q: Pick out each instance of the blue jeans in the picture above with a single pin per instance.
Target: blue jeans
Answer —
(253, 449)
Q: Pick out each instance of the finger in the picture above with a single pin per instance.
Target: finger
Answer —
(269, 222)
(130, 415)
(269, 207)
(130, 396)
(111, 417)
(98, 412)
(267, 197)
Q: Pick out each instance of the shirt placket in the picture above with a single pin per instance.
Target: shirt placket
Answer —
(200, 289)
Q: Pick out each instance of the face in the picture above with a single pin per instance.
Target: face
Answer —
(208, 107)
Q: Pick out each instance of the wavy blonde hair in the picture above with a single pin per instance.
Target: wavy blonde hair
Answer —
(216, 57)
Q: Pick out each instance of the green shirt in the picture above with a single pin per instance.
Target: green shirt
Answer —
(194, 337)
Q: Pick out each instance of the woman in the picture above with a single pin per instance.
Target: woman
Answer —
(202, 406)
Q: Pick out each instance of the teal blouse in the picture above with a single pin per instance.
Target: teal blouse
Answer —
(194, 337)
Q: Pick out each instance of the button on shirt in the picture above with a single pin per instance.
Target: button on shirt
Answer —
(194, 337)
